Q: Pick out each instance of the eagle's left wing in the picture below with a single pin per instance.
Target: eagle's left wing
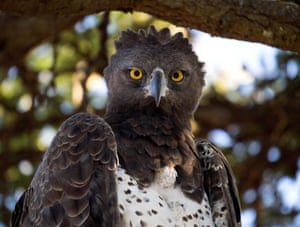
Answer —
(219, 185)
(75, 183)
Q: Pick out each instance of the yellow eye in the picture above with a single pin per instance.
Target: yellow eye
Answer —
(136, 74)
(177, 76)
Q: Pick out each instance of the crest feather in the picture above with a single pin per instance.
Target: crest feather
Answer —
(131, 38)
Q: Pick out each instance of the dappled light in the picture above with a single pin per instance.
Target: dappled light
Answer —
(25, 168)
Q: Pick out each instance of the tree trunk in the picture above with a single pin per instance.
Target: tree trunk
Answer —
(276, 23)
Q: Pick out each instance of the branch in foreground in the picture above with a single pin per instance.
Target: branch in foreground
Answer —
(276, 23)
(19, 34)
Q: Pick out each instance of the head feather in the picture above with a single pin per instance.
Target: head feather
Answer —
(130, 38)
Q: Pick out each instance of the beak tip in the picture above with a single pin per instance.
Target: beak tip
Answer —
(157, 102)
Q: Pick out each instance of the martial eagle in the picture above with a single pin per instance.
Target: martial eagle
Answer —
(139, 165)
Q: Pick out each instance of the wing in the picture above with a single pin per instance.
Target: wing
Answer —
(75, 183)
(219, 184)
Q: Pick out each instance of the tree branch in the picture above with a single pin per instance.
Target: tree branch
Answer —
(276, 23)
(19, 34)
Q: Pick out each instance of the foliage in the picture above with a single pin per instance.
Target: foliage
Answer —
(62, 77)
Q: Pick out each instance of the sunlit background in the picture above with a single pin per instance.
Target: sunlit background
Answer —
(62, 78)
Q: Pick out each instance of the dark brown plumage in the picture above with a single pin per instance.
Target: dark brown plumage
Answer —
(75, 172)
(155, 83)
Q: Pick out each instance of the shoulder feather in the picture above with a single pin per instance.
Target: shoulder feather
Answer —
(79, 165)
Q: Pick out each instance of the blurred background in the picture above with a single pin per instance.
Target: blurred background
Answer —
(250, 108)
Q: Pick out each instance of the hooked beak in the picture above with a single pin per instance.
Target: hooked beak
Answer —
(157, 85)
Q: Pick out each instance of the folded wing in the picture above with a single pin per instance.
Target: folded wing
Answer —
(75, 183)
(219, 185)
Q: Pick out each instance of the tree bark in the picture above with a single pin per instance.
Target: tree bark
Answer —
(276, 23)
(18, 34)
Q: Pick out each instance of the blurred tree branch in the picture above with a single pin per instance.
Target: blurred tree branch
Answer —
(19, 34)
(276, 23)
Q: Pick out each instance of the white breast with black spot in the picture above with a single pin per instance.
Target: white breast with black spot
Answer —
(160, 204)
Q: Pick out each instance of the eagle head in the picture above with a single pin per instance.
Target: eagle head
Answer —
(154, 69)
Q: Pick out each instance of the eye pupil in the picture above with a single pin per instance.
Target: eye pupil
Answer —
(136, 73)
(176, 75)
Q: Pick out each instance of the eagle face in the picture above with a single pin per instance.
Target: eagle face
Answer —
(163, 73)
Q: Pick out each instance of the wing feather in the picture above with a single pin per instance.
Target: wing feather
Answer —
(75, 183)
(219, 185)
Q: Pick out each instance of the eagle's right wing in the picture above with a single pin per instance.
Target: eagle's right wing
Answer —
(219, 185)
(75, 183)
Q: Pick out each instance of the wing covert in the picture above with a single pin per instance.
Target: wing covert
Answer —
(75, 183)
(219, 184)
